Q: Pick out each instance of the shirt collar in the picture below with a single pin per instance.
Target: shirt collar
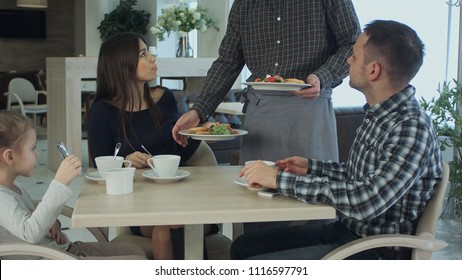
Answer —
(391, 104)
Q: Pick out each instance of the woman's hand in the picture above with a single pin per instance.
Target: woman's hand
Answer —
(138, 159)
(69, 168)
(56, 233)
(294, 165)
(258, 174)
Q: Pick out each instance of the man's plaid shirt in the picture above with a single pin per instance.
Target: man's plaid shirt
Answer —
(393, 166)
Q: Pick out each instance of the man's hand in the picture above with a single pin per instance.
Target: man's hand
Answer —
(259, 174)
(186, 121)
(294, 165)
(311, 92)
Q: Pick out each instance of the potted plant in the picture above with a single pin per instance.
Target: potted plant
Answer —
(446, 114)
(124, 18)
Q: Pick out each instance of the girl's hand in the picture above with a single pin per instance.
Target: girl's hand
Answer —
(56, 233)
(138, 159)
(69, 168)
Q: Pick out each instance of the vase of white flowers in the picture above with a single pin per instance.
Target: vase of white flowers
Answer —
(182, 20)
(184, 47)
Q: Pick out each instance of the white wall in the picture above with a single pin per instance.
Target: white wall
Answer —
(94, 14)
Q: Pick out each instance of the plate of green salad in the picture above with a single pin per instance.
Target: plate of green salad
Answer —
(213, 134)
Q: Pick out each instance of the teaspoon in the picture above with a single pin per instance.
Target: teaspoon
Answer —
(116, 150)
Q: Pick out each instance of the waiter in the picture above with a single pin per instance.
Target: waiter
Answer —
(306, 40)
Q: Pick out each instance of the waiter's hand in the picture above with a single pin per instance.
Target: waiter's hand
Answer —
(186, 121)
(312, 92)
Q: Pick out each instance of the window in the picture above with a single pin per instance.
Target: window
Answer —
(432, 20)
(435, 22)
(437, 25)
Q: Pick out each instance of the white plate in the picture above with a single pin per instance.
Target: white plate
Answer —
(276, 86)
(206, 137)
(180, 174)
(241, 181)
(94, 176)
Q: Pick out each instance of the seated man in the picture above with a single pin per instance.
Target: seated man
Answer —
(392, 168)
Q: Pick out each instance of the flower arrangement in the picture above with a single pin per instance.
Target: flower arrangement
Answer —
(181, 19)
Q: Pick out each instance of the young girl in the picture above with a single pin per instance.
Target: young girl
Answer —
(20, 219)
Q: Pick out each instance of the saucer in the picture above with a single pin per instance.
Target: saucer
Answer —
(94, 176)
(267, 162)
(241, 181)
(180, 174)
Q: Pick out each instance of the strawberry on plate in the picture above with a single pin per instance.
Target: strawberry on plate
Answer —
(271, 79)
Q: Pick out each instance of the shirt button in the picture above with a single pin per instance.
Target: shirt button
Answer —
(279, 18)
(276, 64)
(278, 41)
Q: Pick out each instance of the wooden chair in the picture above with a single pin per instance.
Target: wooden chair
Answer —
(423, 243)
(28, 249)
(182, 79)
(218, 245)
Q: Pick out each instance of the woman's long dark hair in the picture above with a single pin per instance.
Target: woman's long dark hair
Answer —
(116, 81)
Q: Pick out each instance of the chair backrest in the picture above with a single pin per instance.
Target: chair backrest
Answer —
(348, 120)
(203, 156)
(429, 219)
(424, 239)
(42, 79)
(182, 79)
(24, 89)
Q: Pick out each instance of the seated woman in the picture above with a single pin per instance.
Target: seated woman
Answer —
(126, 110)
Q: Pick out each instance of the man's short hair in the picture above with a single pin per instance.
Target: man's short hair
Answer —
(396, 46)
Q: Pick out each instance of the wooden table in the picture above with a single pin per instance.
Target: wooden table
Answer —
(208, 195)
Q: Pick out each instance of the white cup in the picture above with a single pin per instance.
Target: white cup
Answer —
(267, 162)
(165, 165)
(105, 163)
(119, 180)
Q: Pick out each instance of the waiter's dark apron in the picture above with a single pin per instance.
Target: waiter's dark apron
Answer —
(281, 124)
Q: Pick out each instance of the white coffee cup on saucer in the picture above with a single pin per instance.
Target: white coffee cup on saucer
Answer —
(267, 162)
(105, 163)
(165, 165)
(119, 180)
